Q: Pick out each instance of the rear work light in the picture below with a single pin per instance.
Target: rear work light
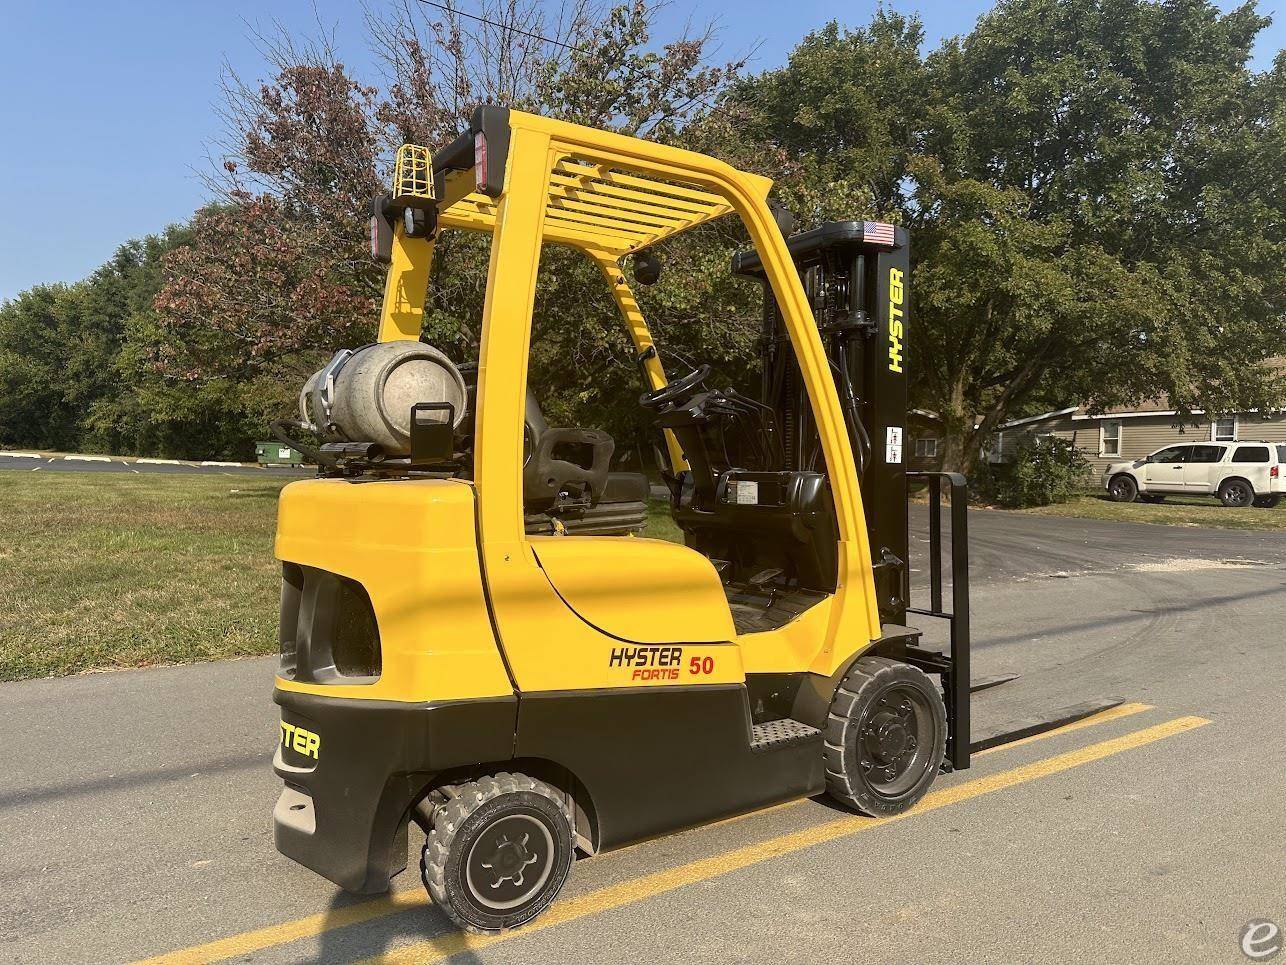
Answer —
(480, 160)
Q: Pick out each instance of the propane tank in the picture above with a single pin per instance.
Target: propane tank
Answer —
(366, 394)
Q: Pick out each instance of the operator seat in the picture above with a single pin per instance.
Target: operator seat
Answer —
(567, 477)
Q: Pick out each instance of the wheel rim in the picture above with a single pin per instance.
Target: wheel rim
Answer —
(896, 739)
(509, 861)
(1238, 495)
(1120, 488)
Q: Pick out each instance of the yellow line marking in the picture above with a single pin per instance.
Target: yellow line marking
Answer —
(253, 941)
(403, 899)
(649, 886)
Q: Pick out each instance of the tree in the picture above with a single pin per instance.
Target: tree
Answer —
(38, 332)
(1093, 189)
(61, 348)
(278, 275)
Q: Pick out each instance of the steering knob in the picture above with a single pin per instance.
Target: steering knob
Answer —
(676, 390)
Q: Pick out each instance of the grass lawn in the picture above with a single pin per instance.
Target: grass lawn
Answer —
(123, 570)
(660, 525)
(1175, 511)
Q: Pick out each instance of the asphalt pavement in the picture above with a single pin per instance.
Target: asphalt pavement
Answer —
(135, 807)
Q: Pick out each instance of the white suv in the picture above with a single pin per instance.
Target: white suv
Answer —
(1239, 473)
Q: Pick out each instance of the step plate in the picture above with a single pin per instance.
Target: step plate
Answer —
(780, 733)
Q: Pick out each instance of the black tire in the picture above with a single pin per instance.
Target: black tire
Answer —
(499, 852)
(1236, 493)
(886, 735)
(1123, 489)
(1268, 502)
(1152, 497)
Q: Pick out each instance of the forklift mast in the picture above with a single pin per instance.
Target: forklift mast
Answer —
(857, 278)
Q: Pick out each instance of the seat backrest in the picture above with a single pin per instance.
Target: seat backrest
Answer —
(566, 466)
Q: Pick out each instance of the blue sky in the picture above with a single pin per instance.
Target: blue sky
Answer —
(108, 108)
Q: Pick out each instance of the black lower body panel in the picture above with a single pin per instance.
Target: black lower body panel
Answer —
(660, 759)
(353, 768)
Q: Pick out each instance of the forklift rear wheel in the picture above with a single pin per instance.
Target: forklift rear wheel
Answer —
(885, 737)
(499, 852)
(1268, 502)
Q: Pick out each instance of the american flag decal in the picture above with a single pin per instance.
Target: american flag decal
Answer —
(877, 232)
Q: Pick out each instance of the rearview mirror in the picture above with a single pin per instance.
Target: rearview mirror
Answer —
(647, 268)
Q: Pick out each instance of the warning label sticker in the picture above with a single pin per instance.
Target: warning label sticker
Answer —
(743, 492)
(893, 445)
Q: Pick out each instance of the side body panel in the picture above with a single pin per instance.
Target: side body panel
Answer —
(413, 546)
(1165, 477)
(640, 590)
(1202, 473)
(1258, 474)
(657, 760)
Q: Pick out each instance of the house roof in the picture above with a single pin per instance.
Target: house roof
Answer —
(1056, 414)
(1160, 406)
(1080, 413)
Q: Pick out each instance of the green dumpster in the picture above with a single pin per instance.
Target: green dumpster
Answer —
(276, 454)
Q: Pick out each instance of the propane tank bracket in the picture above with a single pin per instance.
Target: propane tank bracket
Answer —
(432, 436)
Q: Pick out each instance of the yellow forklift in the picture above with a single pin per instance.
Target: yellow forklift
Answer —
(474, 636)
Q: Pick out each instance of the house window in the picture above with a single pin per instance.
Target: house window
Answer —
(926, 448)
(1109, 439)
(1224, 430)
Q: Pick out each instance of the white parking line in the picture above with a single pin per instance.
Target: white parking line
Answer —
(22, 455)
(89, 458)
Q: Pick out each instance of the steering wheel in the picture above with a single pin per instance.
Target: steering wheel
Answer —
(676, 390)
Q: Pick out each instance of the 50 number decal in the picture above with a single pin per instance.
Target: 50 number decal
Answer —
(701, 665)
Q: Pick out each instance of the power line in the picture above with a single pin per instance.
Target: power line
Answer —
(574, 49)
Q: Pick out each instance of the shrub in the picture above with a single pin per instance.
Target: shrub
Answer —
(1043, 471)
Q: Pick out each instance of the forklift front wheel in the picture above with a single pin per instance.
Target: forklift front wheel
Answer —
(499, 852)
(885, 737)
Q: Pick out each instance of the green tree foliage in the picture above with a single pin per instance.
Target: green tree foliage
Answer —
(279, 276)
(81, 369)
(40, 331)
(1094, 190)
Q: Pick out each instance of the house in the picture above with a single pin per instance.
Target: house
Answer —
(924, 440)
(1131, 433)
